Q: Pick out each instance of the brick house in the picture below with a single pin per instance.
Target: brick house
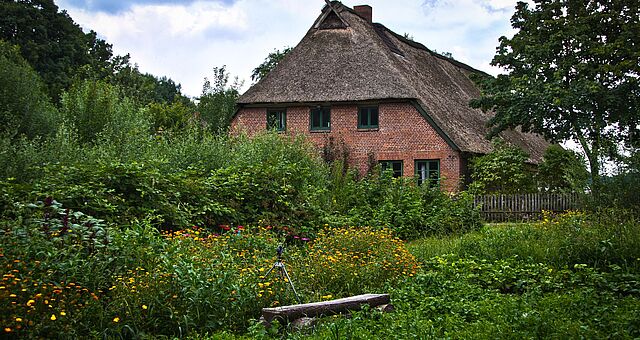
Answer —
(388, 98)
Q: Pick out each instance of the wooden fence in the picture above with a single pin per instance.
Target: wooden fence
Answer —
(523, 207)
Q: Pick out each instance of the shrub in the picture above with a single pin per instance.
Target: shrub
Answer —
(600, 240)
(503, 170)
(410, 210)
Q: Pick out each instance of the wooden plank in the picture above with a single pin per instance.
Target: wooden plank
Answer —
(352, 303)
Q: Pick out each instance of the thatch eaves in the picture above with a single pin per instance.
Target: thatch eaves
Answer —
(366, 61)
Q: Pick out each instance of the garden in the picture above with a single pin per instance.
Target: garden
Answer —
(168, 238)
(127, 211)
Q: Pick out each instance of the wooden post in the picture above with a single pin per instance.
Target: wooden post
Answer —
(353, 303)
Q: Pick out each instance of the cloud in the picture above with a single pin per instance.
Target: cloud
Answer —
(117, 6)
(184, 40)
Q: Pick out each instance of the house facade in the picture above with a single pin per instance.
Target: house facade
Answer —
(390, 100)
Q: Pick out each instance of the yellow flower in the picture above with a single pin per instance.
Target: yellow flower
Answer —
(144, 307)
(116, 319)
(327, 297)
(18, 319)
(7, 329)
(63, 313)
(30, 303)
(53, 317)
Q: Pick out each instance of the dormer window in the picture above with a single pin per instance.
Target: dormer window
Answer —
(368, 117)
(320, 118)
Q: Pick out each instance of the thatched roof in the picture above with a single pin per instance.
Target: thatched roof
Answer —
(345, 58)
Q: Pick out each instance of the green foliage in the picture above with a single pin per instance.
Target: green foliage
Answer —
(169, 117)
(95, 109)
(573, 73)
(503, 170)
(562, 170)
(51, 42)
(68, 272)
(217, 104)
(620, 191)
(142, 88)
(269, 63)
(408, 209)
(599, 240)
(119, 192)
(24, 107)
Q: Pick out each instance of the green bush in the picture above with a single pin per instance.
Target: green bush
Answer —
(600, 240)
(410, 210)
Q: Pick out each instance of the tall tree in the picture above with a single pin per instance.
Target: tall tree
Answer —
(573, 74)
(54, 45)
(217, 104)
(562, 170)
(24, 106)
(269, 63)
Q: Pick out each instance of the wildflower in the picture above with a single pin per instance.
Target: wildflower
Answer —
(144, 307)
(7, 329)
(18, 319)
(53, 317)
(116, 319)
(30, 303)
(63, 313)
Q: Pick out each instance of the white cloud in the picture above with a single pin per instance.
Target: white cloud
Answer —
(185, 41)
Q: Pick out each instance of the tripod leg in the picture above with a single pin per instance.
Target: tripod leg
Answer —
(284, 271)
(269, 271)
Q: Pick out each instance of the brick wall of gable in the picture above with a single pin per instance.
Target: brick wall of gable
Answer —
(403, 134)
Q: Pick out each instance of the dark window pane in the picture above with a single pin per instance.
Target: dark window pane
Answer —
(373, 116)
(326, 117)
(397, 167)
(363, 118)
(315, 118)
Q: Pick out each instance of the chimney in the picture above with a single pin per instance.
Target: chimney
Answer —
(364, 11)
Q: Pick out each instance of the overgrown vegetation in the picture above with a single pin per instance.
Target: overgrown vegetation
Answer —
(138, 282)
(124, 214)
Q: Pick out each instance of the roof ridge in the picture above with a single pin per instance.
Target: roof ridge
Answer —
(420, 46)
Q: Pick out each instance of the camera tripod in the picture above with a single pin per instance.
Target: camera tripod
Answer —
(283, 271)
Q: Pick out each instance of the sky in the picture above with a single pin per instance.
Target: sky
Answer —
(184, 40)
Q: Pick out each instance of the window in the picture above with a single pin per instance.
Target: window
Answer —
(428, 171)
(368, 117)
(395, 166)
(276, 119)
(320, 118)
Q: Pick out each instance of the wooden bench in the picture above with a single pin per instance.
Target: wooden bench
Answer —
(324, 308)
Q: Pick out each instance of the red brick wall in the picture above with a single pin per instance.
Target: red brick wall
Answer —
(403, 134)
